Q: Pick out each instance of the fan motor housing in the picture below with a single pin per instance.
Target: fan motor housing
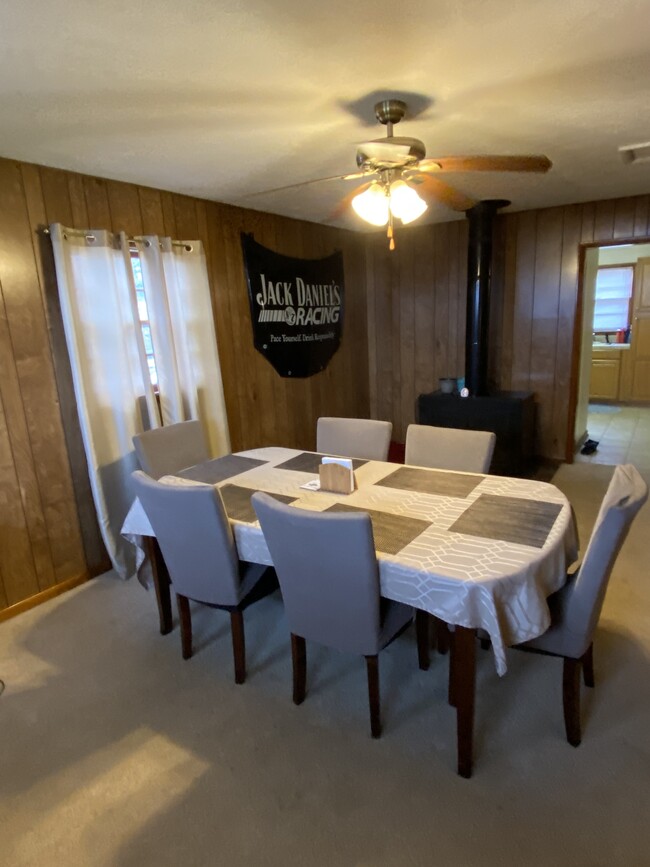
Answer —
(392, 152)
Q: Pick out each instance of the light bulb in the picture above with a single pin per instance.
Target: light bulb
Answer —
(372, 205)
(405, 202)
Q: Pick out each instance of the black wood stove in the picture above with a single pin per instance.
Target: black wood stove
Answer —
(509, 414)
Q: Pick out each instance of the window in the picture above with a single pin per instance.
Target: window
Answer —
(144, 317)
(613, 299)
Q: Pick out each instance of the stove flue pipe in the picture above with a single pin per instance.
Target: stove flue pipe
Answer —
(479, 267)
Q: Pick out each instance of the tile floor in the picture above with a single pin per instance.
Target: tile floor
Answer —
(623, 434)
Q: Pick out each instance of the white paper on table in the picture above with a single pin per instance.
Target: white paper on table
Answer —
(314, 485)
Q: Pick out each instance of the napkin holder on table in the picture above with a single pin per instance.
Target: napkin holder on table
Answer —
(337, 476)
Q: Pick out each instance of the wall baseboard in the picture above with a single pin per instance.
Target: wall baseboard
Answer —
(43, 596)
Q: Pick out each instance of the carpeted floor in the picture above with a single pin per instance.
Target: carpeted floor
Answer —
(116, 752)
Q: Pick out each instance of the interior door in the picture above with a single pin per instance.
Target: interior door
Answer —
(639, 360)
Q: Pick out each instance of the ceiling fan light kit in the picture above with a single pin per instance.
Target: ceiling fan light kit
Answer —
(384, 198)
(372, 205)
(405, 202)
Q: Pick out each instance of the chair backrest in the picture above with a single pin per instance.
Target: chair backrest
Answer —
(195, 538)
(584, 597)
(168, 449)
(448, 448)
(354, 437)
(327, 569)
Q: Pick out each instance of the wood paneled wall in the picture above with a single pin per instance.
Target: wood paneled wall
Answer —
(416, 308)
(48, 531)
(416, 316)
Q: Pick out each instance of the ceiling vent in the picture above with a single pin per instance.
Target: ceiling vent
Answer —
(636, 153)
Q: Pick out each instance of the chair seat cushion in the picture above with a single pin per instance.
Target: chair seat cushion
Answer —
(559, 639)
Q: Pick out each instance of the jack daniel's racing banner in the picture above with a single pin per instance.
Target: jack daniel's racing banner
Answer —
(296, 308)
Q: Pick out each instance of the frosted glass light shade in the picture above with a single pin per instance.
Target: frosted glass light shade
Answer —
(372, 205)
(405, 202)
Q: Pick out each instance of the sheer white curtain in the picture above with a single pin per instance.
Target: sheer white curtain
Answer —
(182, 327)
(109, 364)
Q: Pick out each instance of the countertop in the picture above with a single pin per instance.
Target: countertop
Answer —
(609, 346)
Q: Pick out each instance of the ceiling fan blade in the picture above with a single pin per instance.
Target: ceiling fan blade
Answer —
(487, 163)
(441, 191)
(351, 177)
(355, 175)
(343, 206)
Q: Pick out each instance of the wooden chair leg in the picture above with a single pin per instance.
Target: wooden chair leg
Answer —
(299, 662)
(372, 665)
(238, 645)
(571, 700)
(161, 583)
(442, 635)
(588, 666)
(185, 618)
(422, 624)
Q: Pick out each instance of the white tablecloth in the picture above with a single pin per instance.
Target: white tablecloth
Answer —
(466, 580)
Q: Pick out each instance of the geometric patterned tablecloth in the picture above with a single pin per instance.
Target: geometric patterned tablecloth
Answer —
(496, 584)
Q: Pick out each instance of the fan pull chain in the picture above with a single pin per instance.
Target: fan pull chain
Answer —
(389, 232)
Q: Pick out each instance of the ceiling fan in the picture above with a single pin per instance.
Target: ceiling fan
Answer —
(396, 168)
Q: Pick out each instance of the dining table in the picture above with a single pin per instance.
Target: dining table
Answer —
(479, 552)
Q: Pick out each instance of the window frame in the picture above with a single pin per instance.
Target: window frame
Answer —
(622, 266)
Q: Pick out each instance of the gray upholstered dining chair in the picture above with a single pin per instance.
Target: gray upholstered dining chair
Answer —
(167, 449)
(196, 540)
(575, 609)
(354, 437)
(327, 568)
(449, 448)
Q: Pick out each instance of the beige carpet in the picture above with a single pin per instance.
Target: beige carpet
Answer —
(116, 752)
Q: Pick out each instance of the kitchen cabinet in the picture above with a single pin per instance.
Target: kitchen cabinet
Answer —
(640, 359)
(634, 381)
(605, 374)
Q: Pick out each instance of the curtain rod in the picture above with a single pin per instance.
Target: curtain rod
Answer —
(132, 241)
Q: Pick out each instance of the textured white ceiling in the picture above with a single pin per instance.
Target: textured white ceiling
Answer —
(224, 99)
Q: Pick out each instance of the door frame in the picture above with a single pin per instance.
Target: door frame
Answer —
(577, 331)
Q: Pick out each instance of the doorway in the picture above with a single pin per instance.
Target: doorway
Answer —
(622, 433)
(612, 420)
